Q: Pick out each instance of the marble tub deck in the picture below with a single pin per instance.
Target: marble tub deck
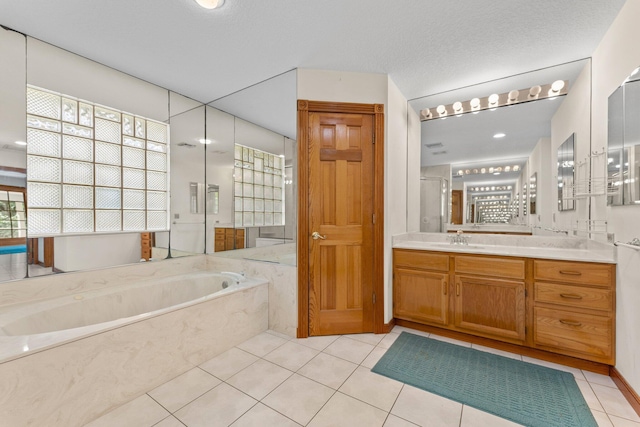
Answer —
(275, 380)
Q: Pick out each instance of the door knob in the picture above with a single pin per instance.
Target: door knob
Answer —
(315, 236)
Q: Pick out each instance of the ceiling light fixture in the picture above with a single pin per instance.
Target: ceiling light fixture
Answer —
(210, 4)
(513, 97)
(499, 135)
(21, 143)
(204, 141)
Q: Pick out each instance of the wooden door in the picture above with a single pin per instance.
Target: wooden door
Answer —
(421, 296)
(341, 212)
(490, 306)
(456, 207)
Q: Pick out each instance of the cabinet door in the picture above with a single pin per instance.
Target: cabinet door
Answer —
(421, 296)
(490, 306)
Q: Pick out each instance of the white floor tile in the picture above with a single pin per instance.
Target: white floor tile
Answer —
(169, 422)
(372, 388)
(318, 343)
(496, 351)
(259, 379)
(348, 349)
(181, 390)
(388, 340)
(595, 378)
(328, 370)
(279, 335)
(393, 421)
(291, 355)
(426, 409)
(229, 363)
(216, 408)
(472, 417)
(373, 357)
(614, 402)
(400, 329)
(262, 344)
(299, 398)
(372, 339)
(140, 412)
(601, 418)
(342, 410)
(622, 422)
(262, 416)
(589, 396)
(577, 373)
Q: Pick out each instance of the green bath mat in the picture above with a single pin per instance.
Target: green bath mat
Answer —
(522, 392)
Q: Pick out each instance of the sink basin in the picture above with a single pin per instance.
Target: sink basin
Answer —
(453, 246)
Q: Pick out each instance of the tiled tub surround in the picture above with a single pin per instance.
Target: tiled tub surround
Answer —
(561, 248)
(73, 383)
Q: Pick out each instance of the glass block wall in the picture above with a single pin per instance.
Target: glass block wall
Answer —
(92, 168)
(258, 187)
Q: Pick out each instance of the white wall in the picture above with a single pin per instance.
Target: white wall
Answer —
(540, 164)
(413, 171)
(617, 55)
(73, 253)
(322, 85)
(13, 95)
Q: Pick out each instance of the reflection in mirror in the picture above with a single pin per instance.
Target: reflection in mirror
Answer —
(566, 161)
(488, 150)
(251, 158)
(623, 159)
(187, 214)
(533, 192)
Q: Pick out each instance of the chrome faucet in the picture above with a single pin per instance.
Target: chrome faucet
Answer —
(458, 238)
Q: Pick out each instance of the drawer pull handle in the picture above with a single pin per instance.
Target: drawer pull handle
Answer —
(458, 289)
(445, 285)
(570, 273)
(571, 296)
(570, 322)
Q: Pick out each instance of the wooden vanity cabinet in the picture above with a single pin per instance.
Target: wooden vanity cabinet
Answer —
(571, 311)
(574, 309)
(421, 287)
(227, 239)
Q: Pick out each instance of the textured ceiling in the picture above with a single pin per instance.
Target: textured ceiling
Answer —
(425, 46)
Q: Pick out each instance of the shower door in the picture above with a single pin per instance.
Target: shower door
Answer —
(434, 201)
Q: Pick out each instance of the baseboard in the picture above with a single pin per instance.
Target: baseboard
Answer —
(626, 389)
(389, 326)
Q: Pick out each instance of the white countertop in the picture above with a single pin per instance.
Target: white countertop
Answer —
(490, 228)
(557, 248)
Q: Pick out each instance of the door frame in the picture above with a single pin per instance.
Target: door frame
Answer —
(377, 111)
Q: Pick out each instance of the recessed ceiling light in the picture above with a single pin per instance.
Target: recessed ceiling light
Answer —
(210, 4)
(499, 135)
(204, 141)
(21, 143)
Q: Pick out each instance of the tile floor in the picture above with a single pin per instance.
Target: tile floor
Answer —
(14, 266)
(274, 380)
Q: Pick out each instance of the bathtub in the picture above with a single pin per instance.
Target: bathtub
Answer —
(68, 360)
(30, 327)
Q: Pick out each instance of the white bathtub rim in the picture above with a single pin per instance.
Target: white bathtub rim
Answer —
(17, 346)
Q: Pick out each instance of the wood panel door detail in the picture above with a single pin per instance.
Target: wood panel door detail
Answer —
(341, 212)
(456, 207)
(491, 306)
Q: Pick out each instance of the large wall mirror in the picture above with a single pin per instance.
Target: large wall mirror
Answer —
(566, 162)
(201, 189)
(623, 159)
(494, 158)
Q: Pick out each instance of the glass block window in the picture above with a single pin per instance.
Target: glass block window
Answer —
(90, 168)
(13, 220)
(258, 187)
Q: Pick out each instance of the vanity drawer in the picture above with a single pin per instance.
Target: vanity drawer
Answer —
(584, 273)
(420, 259)
(574, 296)
(486, 266)
(575, 332)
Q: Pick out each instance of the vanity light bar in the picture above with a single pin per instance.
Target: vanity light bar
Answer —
(494, 170)
(493, 101)
(492, 188)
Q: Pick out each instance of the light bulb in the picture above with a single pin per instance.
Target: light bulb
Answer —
(442, 110)
(210, 4)
(557, 86)
(513, 95)
(21, 143)
(493, 99)
(535, 91)
(457, 107)
(425, 114)
(475, 103)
